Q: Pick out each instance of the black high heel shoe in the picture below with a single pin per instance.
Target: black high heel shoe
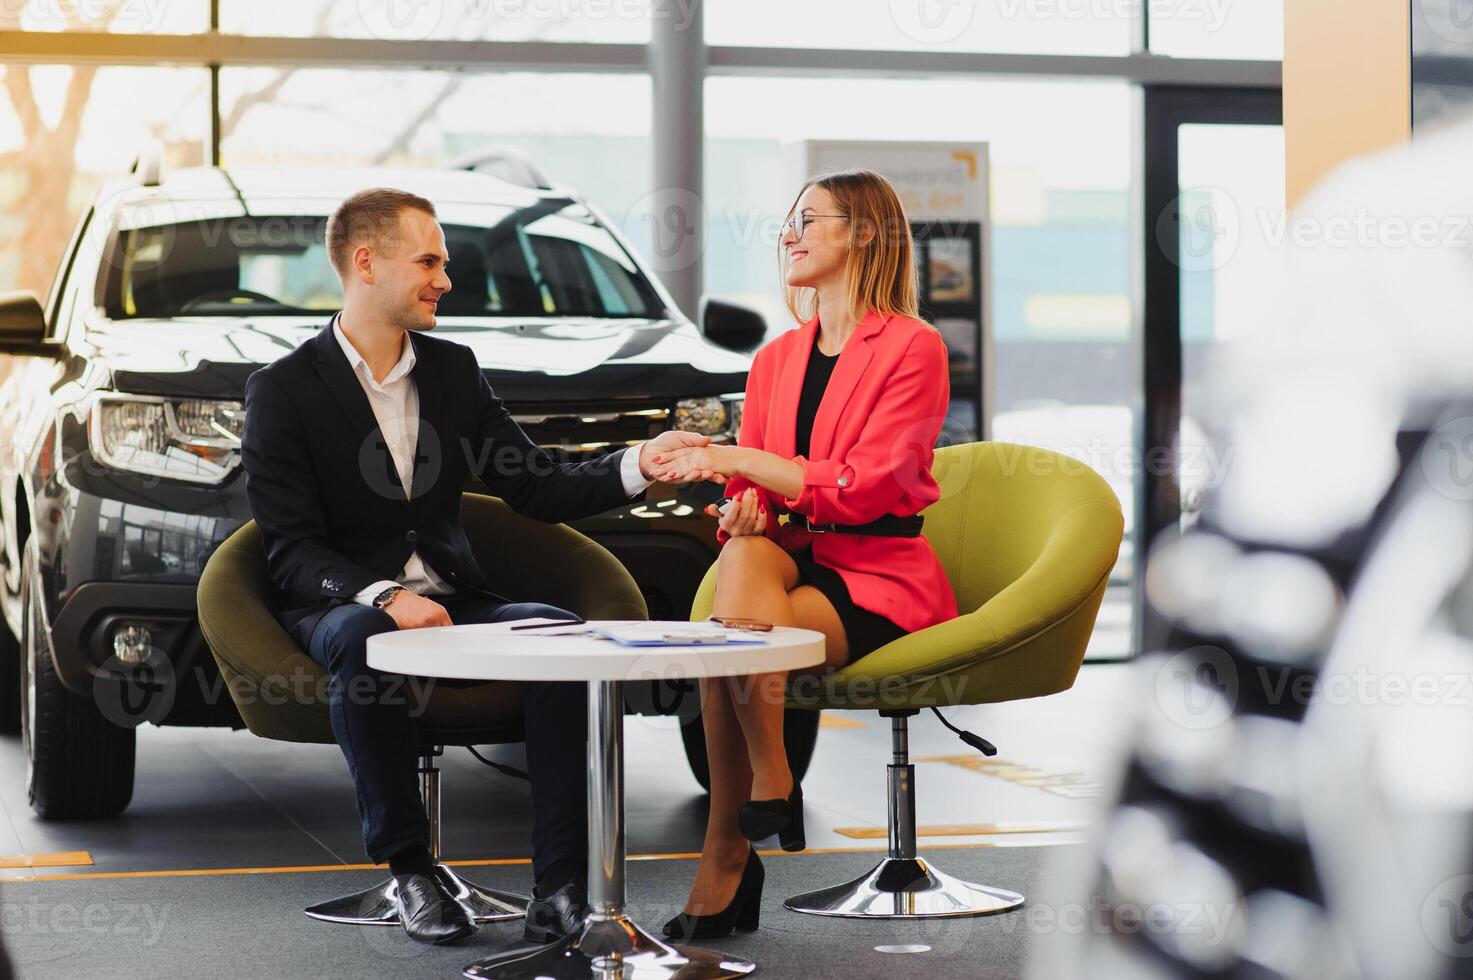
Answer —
(760, 819)
(742, 914)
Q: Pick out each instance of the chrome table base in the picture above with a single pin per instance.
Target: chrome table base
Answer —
(375, 907)
(905, 889)
(610, 946)
(609, 949)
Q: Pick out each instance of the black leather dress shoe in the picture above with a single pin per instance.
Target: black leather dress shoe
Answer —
(559, 915)
(427, 913)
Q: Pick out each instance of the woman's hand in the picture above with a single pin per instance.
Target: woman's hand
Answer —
(696, 463)
(745, 515)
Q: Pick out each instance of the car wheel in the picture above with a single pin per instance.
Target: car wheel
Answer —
(79, 765)
(800, 735)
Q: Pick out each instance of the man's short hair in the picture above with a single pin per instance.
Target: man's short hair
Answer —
(370, 218)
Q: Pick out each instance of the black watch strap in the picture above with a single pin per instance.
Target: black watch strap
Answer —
(382, 599)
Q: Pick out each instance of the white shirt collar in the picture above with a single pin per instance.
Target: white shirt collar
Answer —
(355, 359)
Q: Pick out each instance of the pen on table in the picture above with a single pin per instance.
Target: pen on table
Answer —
(538, 626)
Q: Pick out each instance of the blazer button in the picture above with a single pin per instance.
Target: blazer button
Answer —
(412, 537)
(843, 481)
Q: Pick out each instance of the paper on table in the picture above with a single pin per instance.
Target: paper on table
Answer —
(658, 633)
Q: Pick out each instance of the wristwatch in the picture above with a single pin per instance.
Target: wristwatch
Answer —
(385, 597)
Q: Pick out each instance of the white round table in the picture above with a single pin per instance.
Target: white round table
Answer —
(610, 945)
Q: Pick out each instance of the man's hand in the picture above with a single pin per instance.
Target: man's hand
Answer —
(412, 611)
(699, 463)
(665, 441)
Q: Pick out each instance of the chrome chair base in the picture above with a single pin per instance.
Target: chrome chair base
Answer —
(375, 907)
(606, 949)
(900, 888)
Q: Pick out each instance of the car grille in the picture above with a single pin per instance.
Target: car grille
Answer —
(585, 432)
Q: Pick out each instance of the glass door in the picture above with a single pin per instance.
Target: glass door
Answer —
(1214, 216)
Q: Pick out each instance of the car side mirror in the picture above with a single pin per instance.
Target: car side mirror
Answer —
(23, 326)
(732, 325)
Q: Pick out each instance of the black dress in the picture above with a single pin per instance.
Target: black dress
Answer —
(865, 630)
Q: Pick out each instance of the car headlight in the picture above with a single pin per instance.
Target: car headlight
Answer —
(191, 439)
(713, 416)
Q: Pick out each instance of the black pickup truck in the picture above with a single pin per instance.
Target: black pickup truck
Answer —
(121, 416)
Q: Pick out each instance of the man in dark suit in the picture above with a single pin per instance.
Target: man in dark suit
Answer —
(335, 433)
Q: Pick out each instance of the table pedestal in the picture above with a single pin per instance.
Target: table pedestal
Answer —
(610, 946)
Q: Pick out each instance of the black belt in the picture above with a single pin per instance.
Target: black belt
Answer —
(890, 526)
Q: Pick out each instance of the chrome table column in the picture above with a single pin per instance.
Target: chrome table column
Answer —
(610, 946)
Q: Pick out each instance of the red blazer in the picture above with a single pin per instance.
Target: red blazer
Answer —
(872, 444)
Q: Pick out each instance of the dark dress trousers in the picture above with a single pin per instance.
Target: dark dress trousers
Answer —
(335, 518)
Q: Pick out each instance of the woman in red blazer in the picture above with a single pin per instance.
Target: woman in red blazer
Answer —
(831, 467)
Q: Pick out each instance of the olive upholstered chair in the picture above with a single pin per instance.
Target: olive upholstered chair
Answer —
(1028, 538)
(282, 693)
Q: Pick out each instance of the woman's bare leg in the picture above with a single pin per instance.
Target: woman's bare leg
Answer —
(724, 852)
(753, 580)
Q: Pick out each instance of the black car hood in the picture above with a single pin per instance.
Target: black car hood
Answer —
(548, 360)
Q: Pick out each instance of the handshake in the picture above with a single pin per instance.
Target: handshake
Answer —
(685, 457)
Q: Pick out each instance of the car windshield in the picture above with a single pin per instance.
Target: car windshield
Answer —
(551, 258)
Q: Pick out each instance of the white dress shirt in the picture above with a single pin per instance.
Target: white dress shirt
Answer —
(395, 403)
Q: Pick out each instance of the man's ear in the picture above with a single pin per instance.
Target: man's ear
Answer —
(363, 264)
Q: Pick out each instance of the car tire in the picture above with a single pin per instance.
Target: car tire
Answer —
(800, 735)
(79, 765)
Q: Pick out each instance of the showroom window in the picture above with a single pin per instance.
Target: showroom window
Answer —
(589, 21)
(64, 129)
(587, 132)
(1004, 26)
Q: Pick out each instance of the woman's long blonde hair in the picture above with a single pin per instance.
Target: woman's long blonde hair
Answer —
(882, 272)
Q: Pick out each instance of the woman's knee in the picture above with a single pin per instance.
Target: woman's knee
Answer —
(747, 553)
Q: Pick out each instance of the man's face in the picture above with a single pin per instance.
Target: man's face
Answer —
(409, 272)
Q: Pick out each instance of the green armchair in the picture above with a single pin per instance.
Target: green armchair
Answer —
(1028, 538)
(282, 693)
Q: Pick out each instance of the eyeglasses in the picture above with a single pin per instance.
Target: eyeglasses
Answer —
(799, 223)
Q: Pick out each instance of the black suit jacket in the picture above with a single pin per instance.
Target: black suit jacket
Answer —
(324, 491)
